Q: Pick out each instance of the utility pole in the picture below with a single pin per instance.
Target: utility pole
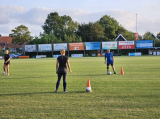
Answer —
(136, 29)
(136, 23)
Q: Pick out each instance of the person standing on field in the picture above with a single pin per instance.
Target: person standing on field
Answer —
(6, 62)
(110, 60)
(62, 70)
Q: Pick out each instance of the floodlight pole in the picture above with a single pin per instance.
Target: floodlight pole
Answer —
(136, 23)
(136, 29)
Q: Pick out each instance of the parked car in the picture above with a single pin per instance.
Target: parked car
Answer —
(19, 54)
(13, 56)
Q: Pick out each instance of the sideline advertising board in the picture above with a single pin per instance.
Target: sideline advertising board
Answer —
(154, 53)
(55, 56)
(60, 46)
(41, 56)
(126, 44)
(30, 48)
(93, 55)
(1, 57)
(76, 46)
(93, 46)
(145, 44)
(158, 53)
(44, 47)
(76, 55)
(135, 54)
(109, 45)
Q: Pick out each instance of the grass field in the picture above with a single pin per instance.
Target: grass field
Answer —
(29, 90)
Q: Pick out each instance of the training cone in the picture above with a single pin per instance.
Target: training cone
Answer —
(88, 89)
(122, 72)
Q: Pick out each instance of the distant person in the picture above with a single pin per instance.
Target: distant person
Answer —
(110, 60)
(62, 70)
(6, 62)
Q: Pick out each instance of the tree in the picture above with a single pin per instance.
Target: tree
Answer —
(158, 35)
(52, 24)
(59, 25)
(129, 35)
(140, 37)
(20, 34)
(110, 26)
(148, 36)
(45, 39)
(72, 38)
(69, 26)
(91, 32)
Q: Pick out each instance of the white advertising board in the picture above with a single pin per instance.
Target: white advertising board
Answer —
(1, 57)
(158, 53)
(59, 47)
(30, 48)
(93, 55)
(154, 53)
(44, 47)
(109, 45)
(150, 53)
(41, 56)
(76, 55)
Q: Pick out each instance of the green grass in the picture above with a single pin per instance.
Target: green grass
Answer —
(29, 90)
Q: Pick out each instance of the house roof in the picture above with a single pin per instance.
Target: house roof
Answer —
(154, 36)
(120, 38)
(6, 40)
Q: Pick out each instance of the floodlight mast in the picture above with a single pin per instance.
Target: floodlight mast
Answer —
(136, 23)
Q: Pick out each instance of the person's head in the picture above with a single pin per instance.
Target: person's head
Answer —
(108, 50)
(63, 52)
(6, 51)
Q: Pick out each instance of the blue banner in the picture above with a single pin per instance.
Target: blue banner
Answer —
(93, 46)
(135, 54)
(145, 44)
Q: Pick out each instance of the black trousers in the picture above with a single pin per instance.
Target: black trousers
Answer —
(62, 72)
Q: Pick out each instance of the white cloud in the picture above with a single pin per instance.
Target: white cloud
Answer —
(6, 11)
(5, 30)
(35, 18)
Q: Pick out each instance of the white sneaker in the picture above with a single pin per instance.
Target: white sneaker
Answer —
(7, 74)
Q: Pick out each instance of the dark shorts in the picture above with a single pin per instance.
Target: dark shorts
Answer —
(109, 64)
(7, 63)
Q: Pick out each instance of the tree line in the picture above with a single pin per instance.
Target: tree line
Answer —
(58, 29)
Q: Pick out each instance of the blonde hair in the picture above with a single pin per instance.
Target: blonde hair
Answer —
(63, 51)
(7, 51)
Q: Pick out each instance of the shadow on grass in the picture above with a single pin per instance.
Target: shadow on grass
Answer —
(89, 75)
(95, 75)
(42, 93)
(29, 77)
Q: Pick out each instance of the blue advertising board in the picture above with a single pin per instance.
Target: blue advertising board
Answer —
(145, 44)
(93, 46)
(135, 54)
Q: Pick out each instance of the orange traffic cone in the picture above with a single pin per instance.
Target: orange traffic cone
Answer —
(88, 89)
(122, 72)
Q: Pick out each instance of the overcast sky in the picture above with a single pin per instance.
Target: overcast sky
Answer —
(32, 13)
